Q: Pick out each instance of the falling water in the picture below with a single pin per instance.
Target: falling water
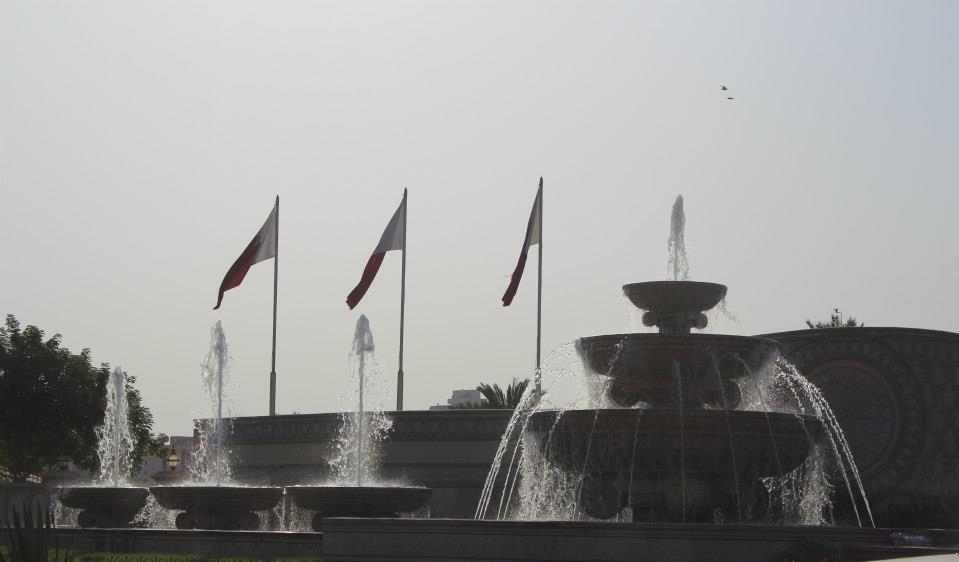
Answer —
(678, 377)
(783, 377)
(63, 516)
(298, 520)
(528, 406)
(724, 404)
(357, 448)
(582, 477)
(817, 489)
(517, 421)
(544, 490)
(535, 489)
(516, 426)
(210, 464)
(764, 408)
(114, 439)
(835, 433)
(677, 268)
(154, 516)
(362, 346)
(632, 457)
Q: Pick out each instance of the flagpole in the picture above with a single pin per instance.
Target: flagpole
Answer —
(276, 272)
(399, 374)
(539, 296)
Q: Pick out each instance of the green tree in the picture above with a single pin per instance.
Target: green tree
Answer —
(51, 401)
(836, 321)
(497, 399)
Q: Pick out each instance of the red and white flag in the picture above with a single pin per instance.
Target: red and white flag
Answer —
(262, 247)
(534, 233)
(394, 238)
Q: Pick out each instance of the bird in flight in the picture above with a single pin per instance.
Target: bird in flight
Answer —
(730, 98)
(723, 88)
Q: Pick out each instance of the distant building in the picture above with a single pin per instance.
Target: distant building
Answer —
(462, 399)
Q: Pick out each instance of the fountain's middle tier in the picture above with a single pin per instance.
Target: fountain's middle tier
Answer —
(672, 464)
(664, 370)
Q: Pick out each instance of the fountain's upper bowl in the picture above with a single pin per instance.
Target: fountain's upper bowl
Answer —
(675, 307)
(675, 296)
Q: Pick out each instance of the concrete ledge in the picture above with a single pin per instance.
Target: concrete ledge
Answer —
(461, 540)
(246, 544)
(450, 540)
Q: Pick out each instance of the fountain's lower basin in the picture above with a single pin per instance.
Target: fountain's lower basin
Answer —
(218, 507)
(650, 367)
(358, 501)
(669, 465)
(106, 506)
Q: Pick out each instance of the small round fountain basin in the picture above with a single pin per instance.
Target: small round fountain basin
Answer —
(106, 506)
(104, 498)
(358, 501)
(210, 498)
(217, 507)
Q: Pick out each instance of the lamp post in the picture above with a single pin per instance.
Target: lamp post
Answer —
(172, 460)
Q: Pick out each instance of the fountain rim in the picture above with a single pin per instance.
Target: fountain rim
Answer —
(347, 487)
(95, 487)
(213, 487)
(664, 338)
(662, 343)
(188, 497)
(668, 412)
(96, 497)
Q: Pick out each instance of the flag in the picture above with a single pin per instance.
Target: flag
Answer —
(262, 247)
(394, 238)
(534, 232)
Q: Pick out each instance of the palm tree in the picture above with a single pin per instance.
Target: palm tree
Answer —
(497, 399)
(836, 321)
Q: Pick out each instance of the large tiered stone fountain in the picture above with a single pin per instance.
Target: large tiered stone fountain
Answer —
(677, 448)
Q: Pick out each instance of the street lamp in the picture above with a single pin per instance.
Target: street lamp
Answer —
(172, 460)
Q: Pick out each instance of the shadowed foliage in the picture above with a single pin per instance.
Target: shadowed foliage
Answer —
(836, 321)
(51, 401)
(508, 400)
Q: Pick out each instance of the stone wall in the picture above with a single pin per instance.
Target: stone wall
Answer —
(449, 451)
(416, 540)
(895, 392)
(175, 545)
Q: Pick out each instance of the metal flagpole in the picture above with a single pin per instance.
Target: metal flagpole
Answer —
(539, 295)
(399, 374)
(276, 272)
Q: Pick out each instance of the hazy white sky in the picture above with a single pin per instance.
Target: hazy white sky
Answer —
(142, 143)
